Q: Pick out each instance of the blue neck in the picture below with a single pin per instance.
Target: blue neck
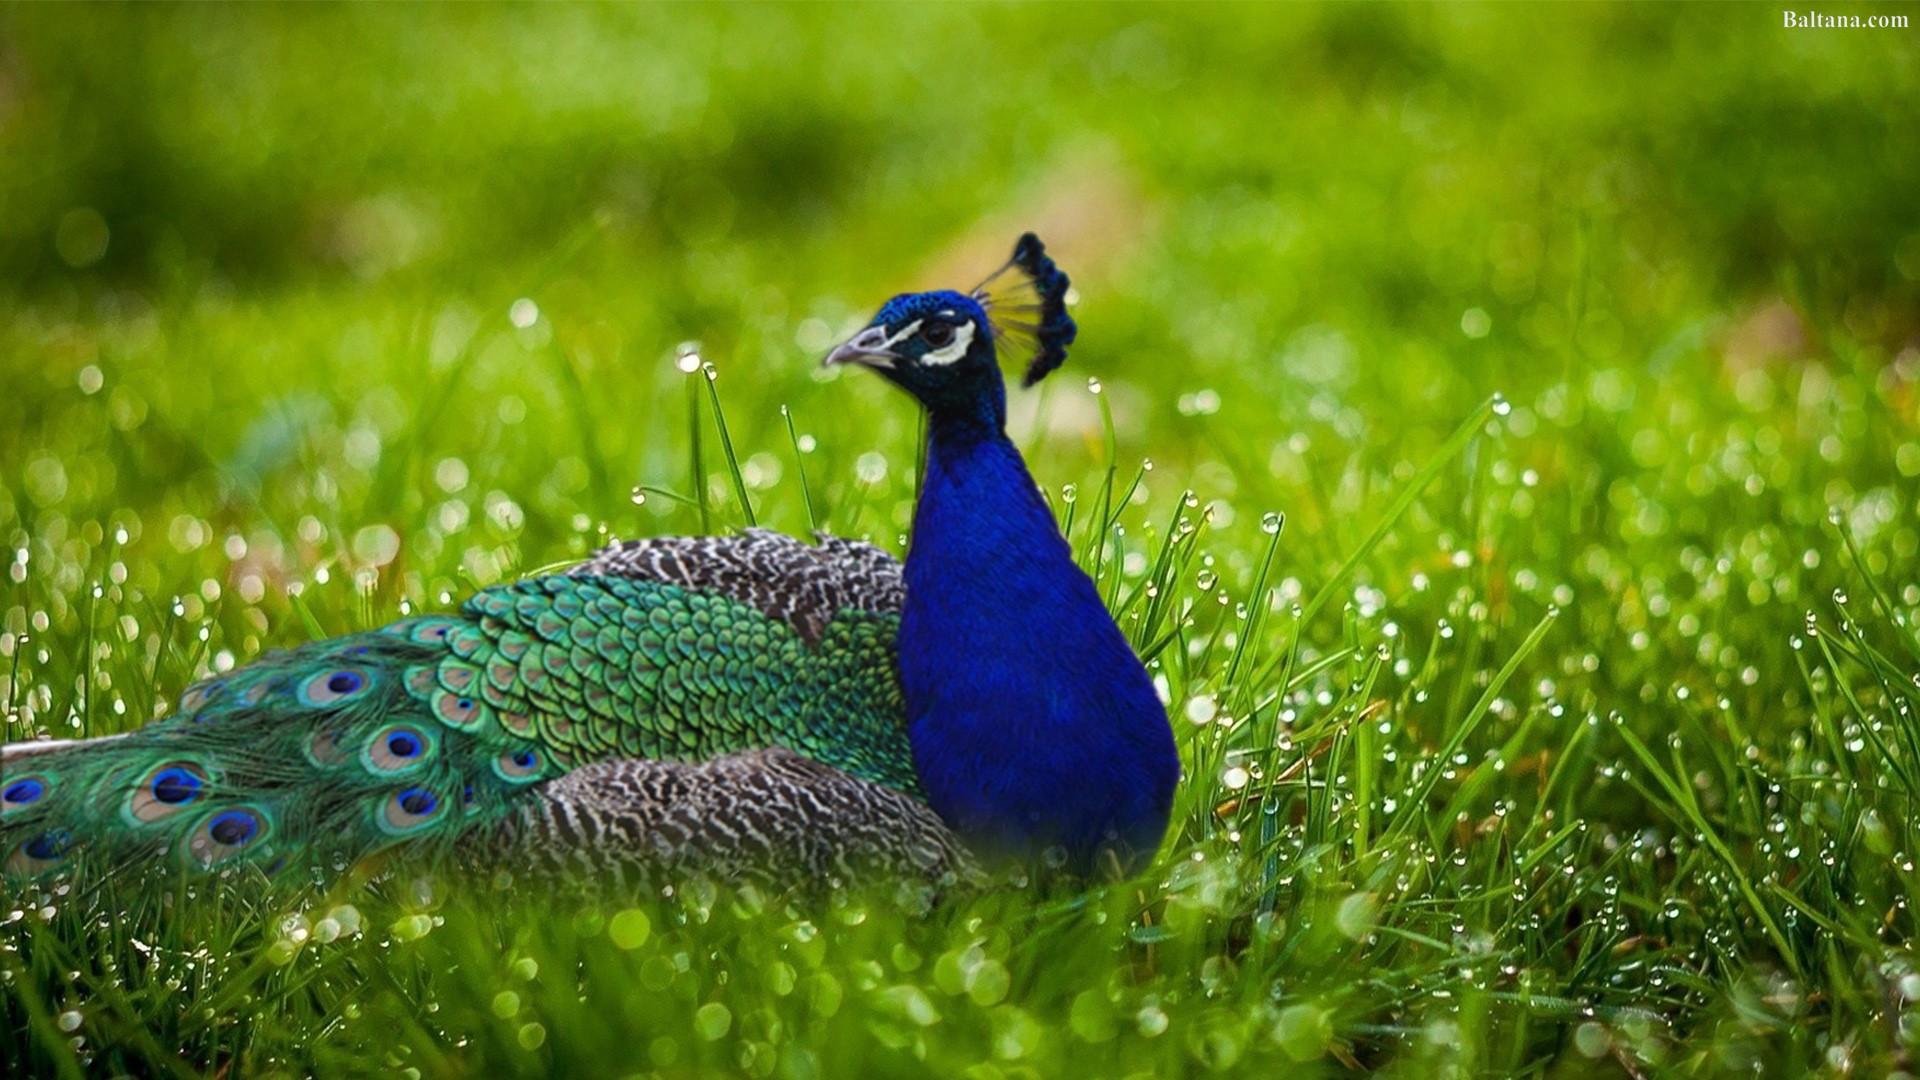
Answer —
(1032, 722)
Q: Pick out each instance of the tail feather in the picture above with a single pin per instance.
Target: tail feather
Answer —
(435, 728)
(322, 753)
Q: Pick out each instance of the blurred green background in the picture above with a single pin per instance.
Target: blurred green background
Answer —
(257, 264)
(380, 303)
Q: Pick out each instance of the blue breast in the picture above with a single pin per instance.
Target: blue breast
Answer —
(1033, 723)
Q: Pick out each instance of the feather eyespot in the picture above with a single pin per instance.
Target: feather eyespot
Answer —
(333, 687)
(22, 792)
(323, 749)
(398, 748)
(422, 681)
(426, 631)
(233, 828)
(409, 809)
(167, 790)
(199, 694)
(175, 785)
(40, 852)
(521, 764)
(47, 846)
(225, 834)
(458, 712)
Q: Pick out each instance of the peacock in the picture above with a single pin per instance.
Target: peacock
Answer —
(742, 704)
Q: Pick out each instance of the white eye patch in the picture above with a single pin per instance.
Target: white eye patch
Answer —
(952, 350)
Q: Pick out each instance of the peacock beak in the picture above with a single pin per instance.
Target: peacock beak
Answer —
(870, 347)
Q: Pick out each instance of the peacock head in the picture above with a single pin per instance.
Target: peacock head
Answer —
(943, 347)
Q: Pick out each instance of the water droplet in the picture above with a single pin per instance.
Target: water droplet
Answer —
(1501, 406)
(1069, 492)
(686, 357)
(523, 313)
(638, 495)
(1840, 597)
(1271, 521)
(1835, 515)
(1151, 1021)
(1093, 386)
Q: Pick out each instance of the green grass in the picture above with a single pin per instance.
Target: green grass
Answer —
(1568, 732)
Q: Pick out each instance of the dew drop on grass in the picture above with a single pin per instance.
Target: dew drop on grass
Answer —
(712, 1021)
(1093, 386)
(1270, 522)
(1151, 1021)
(638, 496)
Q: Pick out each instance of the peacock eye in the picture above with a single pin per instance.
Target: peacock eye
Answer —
(937, 334)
